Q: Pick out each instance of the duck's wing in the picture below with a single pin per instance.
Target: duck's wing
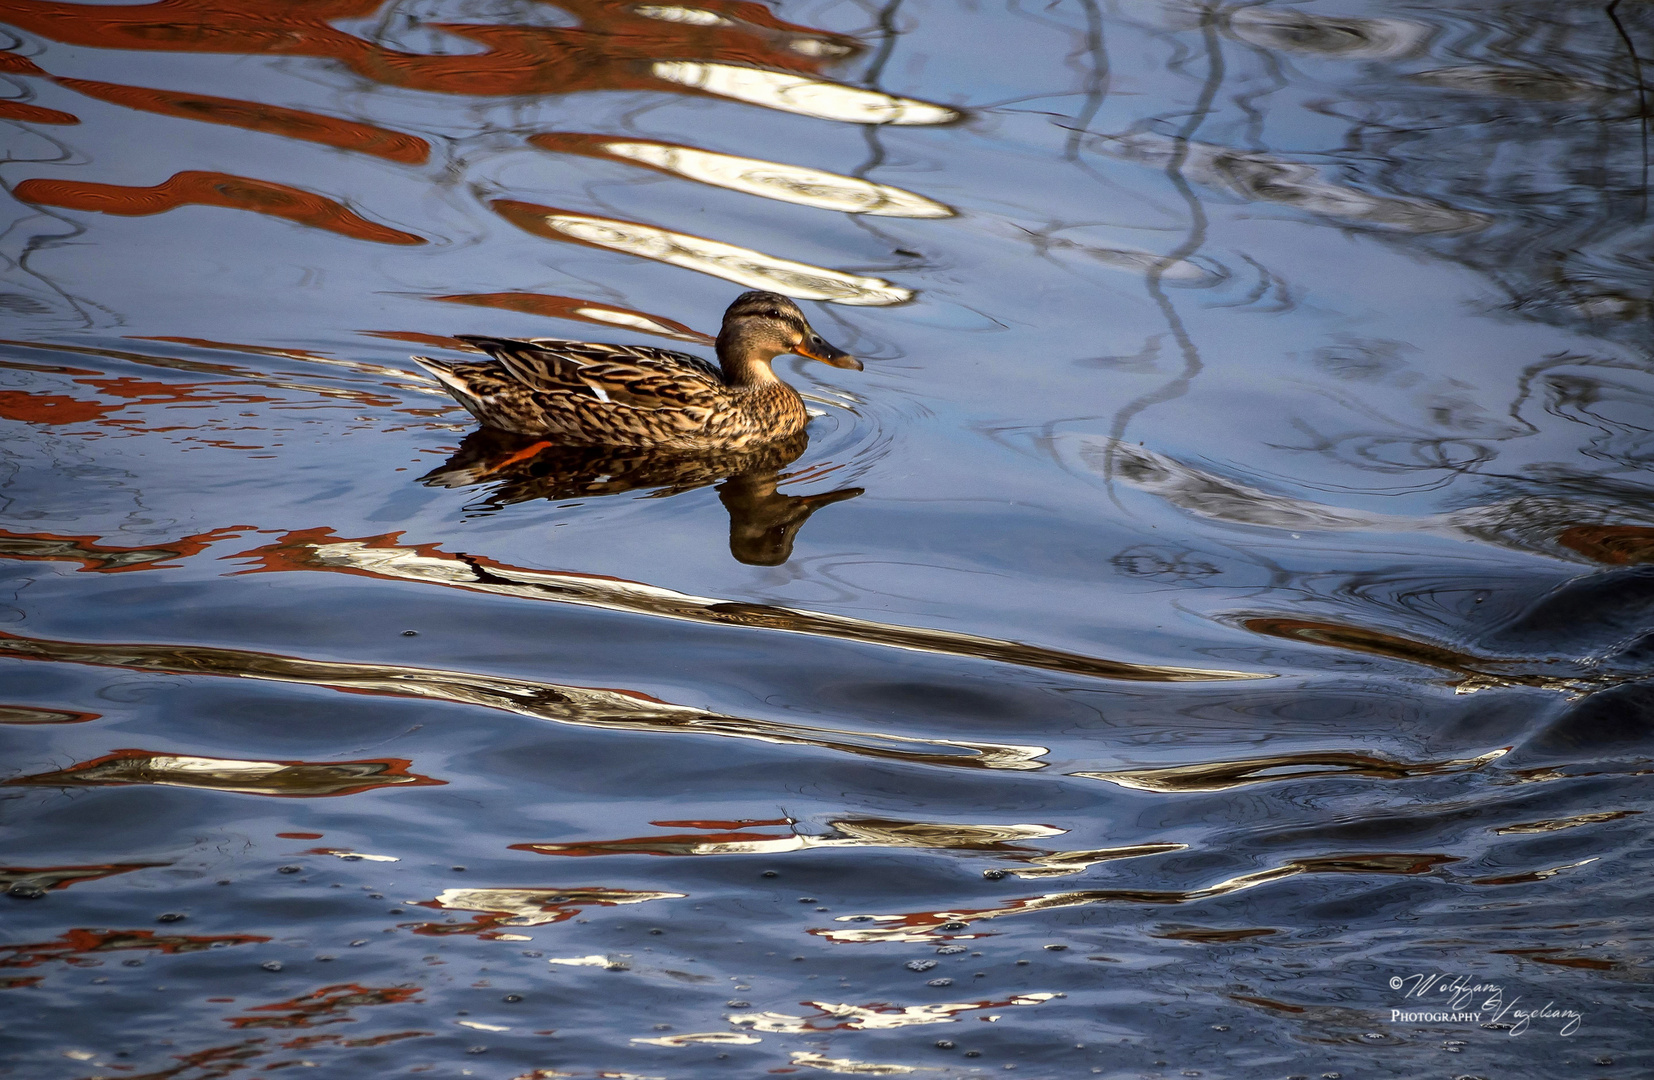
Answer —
(632, 375)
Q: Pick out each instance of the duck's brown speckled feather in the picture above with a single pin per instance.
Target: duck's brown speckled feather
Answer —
(584, 393)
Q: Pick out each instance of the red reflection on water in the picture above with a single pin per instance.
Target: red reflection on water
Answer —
(304, 1042)
(198, 188)
(76, 945)
(324, 1006)
(256, 116)
(611, 49)
(35, 114)
(215, 1062)
(94, 555)
(589, 311)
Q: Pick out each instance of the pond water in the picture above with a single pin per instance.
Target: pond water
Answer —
(1212, 636)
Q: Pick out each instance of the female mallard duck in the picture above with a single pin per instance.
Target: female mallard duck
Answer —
(586, 394)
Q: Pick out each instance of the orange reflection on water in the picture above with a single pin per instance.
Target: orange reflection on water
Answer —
(1617, 545)
(34, 714)
(35, 114)
(31, 407)
(286, 779)
(198, 188)
(51, 410)
(1000, 840)
(925, 926)
(324, 1006)
(33, 881)
(589, 311)
(611, 49)
(96, 556)
(256, 116)
(1472, 668)
(76, 946)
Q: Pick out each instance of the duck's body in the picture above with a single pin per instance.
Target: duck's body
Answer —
(584, 394)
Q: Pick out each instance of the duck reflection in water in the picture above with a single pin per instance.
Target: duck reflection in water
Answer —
(763, 522)
(568, 418)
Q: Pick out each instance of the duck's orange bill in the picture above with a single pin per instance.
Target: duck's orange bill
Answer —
(827, 354)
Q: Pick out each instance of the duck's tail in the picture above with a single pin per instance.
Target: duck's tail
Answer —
(452, 381)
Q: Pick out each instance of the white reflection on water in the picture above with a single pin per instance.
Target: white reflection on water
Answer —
(622, 318)
(801, 94)
(876, 1017)
(536, 907)
(675, 14)
(853, 1067)
(787, 183)
(743, 266)
(724, 1038)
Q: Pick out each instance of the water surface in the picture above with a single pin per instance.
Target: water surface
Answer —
(1222, 604)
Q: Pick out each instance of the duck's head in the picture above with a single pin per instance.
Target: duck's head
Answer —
(759, 326)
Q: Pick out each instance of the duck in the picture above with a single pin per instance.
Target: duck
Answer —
(582, 393)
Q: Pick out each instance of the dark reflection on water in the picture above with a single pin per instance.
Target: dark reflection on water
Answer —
(763, 522)
(1243, 517)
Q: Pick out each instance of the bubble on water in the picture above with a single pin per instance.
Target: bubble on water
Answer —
(944, 1044)
(950, 950)
(940, 982)
(171, 916)
(271, 965)
(288, 869)
(919, 965)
